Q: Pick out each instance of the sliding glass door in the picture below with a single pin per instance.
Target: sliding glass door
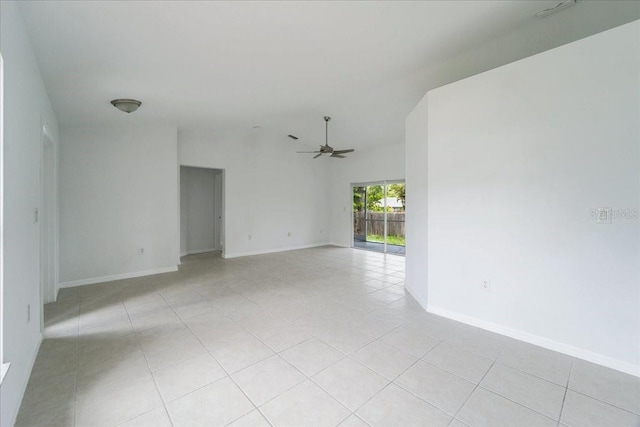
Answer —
(378, 216)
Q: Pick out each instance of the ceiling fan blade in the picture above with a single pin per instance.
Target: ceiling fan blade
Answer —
(337, 155)
(317, 155)
(307, 152)
(350, 150)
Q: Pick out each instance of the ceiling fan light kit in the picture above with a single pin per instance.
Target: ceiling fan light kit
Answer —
(326, 149)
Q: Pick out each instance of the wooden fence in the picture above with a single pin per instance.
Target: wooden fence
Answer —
(375, 223)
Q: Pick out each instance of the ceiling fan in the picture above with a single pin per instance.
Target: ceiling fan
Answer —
(326, 149)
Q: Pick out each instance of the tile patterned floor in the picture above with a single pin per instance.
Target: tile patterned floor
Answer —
(322, 336)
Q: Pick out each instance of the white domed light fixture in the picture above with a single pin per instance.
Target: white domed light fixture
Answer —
(126, 105)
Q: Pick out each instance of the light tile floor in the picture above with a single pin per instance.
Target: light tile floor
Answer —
(323, 336)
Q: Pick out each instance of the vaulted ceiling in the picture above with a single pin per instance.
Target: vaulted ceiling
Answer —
(284, 65)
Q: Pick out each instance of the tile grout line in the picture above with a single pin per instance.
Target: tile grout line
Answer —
(566, 390)
(135, 331)
(474, 389)
(228, 376)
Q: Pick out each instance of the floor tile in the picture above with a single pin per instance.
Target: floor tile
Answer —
(583, 411)
(267, 379)
(155, 418)
(440, 388)
(252, 419)
(470, 366)
(479, 341)
(185, 377)
(102, 315)
(205, 322)
(47, 393)
(384, 359)
(238, 307)
(350, 383)
(394, 406)
(114, 352)
(376, 324)
(354, 421)
(196, 408)
(434, 326)
(305, 404)
(487, 409)
(240, 352)
(149, 296)
(261, 322)
(155, 319)
(410, 341)
(194, 309)
(96, 352)
(155, 305)
(283, 337)
(181, 298)
(345, 339)
(171, 349)
(159, 332)
(107, 376)
(61, 416)
(538, 361)
(614, 387)
(220, 336)
(58, 360)
(533, 392)
(131, 399)
(312, 356)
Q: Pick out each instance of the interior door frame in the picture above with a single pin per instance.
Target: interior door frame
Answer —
(47, 218)
(223, 205)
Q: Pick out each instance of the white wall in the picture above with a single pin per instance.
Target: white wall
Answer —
(517, 157)
(269, 189)
(118, 193)
(26, 109)
(373, 164)
(416, 231)
(198, 199)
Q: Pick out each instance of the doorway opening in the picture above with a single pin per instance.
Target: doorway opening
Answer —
(379, 216)
(201, 210)
(46, 216)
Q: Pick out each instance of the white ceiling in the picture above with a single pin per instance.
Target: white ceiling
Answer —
(283, 65)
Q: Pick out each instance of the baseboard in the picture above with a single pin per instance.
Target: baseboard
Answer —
(539, 341)
(271, 251)
(199, 251)
(340, 245)
(110, 278)
(26, 381)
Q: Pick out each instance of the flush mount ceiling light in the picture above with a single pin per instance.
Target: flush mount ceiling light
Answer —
(126, 105)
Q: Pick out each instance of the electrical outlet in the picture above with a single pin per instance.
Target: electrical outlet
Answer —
(28, 313)
(141, 251)
(249, 237)
(36, 215)
(486, 285)
(288, 234)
